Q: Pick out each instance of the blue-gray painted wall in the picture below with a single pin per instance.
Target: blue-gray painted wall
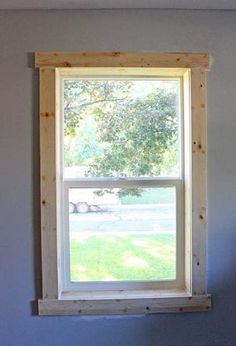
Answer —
(131, 30)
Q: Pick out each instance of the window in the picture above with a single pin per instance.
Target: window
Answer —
(123, 175)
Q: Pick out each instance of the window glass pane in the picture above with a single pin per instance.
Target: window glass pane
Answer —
(122, 234)
(121, 127)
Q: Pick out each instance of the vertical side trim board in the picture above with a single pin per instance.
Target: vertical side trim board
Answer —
(48, 183)
(199, 200)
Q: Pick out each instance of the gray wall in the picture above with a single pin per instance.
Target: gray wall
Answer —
(24, 32)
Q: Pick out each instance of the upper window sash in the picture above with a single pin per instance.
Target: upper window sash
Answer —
(132, 74)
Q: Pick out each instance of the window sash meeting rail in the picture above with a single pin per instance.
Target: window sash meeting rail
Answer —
(123, 182)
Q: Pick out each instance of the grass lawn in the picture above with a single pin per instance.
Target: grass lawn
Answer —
(151, 196)
(122, 257)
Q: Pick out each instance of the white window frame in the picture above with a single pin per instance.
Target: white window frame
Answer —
(64, 184)
(189, 291)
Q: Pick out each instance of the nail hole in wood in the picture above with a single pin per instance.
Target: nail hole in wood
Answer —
(67, 64)
(115, 53)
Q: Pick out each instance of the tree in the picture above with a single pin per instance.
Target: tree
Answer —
(125, 131)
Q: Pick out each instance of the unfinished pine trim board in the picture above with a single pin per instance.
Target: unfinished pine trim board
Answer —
(121, 59)
(48, 183)
(191, 67)
(199, 173)
(124, 306)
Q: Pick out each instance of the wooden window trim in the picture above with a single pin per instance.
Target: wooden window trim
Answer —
(194, 295)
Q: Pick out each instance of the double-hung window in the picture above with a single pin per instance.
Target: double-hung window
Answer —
(123, 170)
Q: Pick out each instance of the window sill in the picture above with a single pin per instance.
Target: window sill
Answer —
(124, 304)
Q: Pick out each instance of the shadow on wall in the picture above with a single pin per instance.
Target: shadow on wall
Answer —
(36, 184)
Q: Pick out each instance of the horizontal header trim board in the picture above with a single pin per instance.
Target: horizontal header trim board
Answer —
(122, 59)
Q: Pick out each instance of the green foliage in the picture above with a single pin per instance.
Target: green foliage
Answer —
(112, 131)
(132, 192)
(82, 145)
(80, 95)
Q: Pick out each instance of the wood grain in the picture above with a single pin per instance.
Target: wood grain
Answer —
(121, 59)
(48, 183)
(199, 174)
(124, 306)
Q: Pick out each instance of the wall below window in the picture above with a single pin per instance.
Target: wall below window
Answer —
(22, 33)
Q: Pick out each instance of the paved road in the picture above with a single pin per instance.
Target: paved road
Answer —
(129, 218)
